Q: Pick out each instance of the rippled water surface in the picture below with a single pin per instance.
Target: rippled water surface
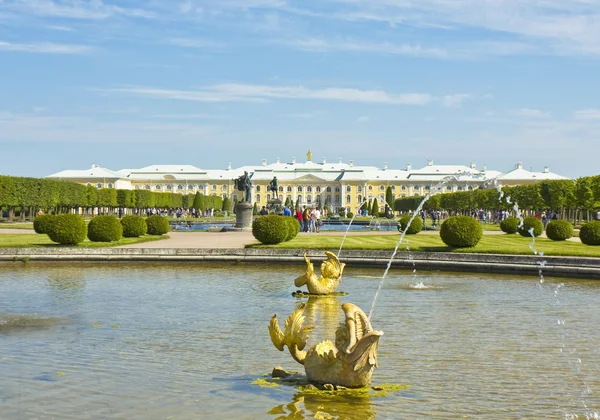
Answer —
(186, 341)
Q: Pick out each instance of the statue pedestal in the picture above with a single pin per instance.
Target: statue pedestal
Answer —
(243, 216)
(275, 206)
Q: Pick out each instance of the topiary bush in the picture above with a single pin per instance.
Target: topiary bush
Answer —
(270, 229)
(461, 231)
(559, 230)
(133, 226)
(42, 223)
(157, 225)
(293, 228)
(590, 233)
(531, 223)
(349, 215)
(104, 229)
(415, 227)
(67, 229)
(510, 225)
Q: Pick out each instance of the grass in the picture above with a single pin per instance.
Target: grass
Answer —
(489, 244)
(20, 225)
(42, 241)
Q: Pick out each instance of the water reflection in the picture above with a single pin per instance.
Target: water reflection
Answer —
(324, 312)
(306, 405)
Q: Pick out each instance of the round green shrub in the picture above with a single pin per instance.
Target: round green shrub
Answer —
(590, 233)
(42, 223)
(104, 229)
(559, 230)
(461, 231)
(270, 229)
(510, 225)
(349, 214)
(293, 228)
(133, 226)
(67, 229)
(157, 225)
(531, 223)
(415, 227)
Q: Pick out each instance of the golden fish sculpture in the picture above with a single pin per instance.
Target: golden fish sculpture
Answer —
(348, 362)
(330, 279)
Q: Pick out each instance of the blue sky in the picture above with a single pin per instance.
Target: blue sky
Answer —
(132, 83)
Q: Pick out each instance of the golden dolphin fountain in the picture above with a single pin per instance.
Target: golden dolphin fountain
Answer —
(348, 362)
(330, 279)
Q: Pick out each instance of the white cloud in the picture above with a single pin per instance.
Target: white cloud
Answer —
(363, 119)
(237, 92)
(587, 114)
(45, 48)
(456, 100)
(532, 113)
(85, 10)
(193, 43)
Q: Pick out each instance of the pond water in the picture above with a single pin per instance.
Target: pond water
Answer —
(186, 341)
(380, 225)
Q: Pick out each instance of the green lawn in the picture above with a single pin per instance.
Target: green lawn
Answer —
(42, 241)
(489, 244)
(24, 225)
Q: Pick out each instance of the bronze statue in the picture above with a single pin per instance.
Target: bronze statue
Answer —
(274, 186)
(243, 183)
(330, 279)
(348, 362)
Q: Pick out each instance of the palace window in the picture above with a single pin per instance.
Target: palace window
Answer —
(258, 198)
(179, 187)
(329, 199)
(280, 189)
(309, 189)
(268, 197)
(214, 187)
(370, 188)
(348, 188)
(235, 197)
(382, 188)
(360, 198)
(403, 195)
(98, 185)
(348, 199)
(200, 187)
(337, 189)
(299, 188)
(169, 187)
(223, 196)
(337, 199)
(427, 187)
(147, 187)
(393, 188)
(158, 188)
(110, 185)
(318, 189)
(309, 198)
(258, 188)
(328, 189)
(224, 187)
(359, 188)
(403, 188)
(299, 198)
(460, 188)
(289, 189)
(470, 188)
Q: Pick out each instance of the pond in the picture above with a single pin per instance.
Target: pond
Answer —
(186, 341)
(375, 225)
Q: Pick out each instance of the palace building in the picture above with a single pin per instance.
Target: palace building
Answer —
(338, 184)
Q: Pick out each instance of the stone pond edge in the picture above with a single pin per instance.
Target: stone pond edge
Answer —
(580, 267)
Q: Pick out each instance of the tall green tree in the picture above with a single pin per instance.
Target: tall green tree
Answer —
(389, 197)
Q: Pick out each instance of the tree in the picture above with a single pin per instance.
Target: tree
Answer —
(226, 204)
(374, 208)
(389, 198)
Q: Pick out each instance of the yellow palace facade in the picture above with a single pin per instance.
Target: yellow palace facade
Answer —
(341, 184)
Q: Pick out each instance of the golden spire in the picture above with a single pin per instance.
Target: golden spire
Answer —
(309, 156)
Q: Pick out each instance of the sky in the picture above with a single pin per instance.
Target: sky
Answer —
(131, 83)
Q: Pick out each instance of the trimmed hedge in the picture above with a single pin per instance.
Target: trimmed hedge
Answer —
(133, 226)
(510, 225)
(529, 223)
(42, 223)
(157, 225)
(590, 233)
(349, 214)
(67, 229)
(272, 229)
(461, 231)
(104, 229)
(415, 227)
(293, 227)
(559, 230)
